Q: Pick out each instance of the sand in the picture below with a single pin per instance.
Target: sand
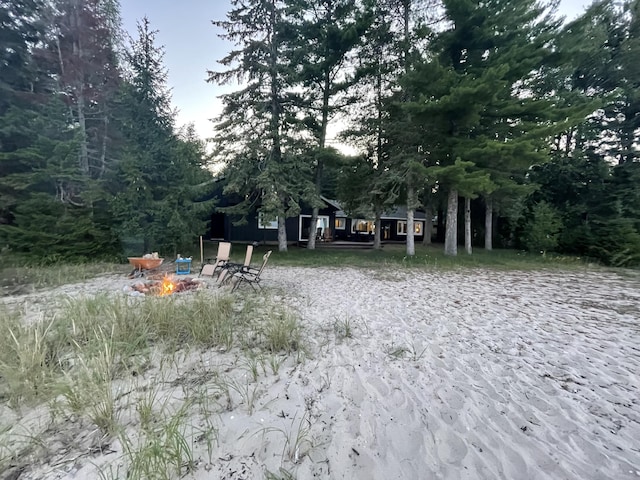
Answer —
(410, 374)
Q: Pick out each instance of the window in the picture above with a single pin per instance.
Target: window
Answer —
(272, 225)
(402, 227)
(359, 225)
(340, 224)
(321, 229)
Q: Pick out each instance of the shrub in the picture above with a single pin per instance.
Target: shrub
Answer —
(542, 229)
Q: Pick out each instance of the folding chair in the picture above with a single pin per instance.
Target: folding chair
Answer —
(231, 268)
(222, 257)
(251, 275)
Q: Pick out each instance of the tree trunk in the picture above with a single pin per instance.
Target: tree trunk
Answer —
(488, 224)
(282, 234)
(411, 243)
(467, 225)
(311, 241)
(377, 242)
(311, 245)
(78, 54)
(451, 235)
(82, 123)
(440, 226)
(103, 153)
(428, 225)
(276, 149)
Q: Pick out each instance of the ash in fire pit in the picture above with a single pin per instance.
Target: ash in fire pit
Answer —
(168, 285)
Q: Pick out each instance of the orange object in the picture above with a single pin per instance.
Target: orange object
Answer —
(145, 263)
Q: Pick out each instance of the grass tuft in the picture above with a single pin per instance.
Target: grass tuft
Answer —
(282, 332)
(162, 452)
(29, 359)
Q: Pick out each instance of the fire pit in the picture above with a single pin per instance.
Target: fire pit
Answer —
(167, 285)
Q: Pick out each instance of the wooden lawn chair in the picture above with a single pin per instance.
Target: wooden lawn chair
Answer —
(251, 275)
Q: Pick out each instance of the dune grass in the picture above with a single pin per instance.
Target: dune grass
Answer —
(105, 361)
(14, 279)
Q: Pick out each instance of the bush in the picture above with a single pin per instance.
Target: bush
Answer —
(615, 242)
(542, 229)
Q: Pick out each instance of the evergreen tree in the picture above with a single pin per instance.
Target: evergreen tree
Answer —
(579, 181)
(83, 52)
(329, 32)
(377, 77)
(542, 229)
(480, 98)
(598, 205)
(158, 184)
(20, 31)
(605, 44)
(406, 153)
(39, 143)
(400, 135)
(258, 133)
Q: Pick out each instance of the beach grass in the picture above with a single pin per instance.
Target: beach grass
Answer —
(105, 361)
(102, 363)
(14, 276)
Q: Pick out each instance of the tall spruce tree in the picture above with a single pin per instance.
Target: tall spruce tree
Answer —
(42, 182)
(157, 186)
(258, 133)
(21, 29)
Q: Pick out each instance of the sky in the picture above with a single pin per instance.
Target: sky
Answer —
(192, 46)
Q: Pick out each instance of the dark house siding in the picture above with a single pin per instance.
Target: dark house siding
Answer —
(328, 212)
(390, 226)
(222, 227)
(249, 232)
(389, 233)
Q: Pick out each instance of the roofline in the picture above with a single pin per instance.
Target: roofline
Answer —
(332, 203)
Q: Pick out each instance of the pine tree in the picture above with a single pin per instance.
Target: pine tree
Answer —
(605, 43)
(258, 132)
(377, 76)
(481, 99)
(329, 32)
(579, 180)
(406, 155)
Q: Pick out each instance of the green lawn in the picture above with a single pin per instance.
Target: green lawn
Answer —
(394, 255)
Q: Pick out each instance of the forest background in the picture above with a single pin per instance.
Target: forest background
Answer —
(530, 123)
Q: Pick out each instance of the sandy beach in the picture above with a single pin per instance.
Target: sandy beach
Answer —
(414, 374)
